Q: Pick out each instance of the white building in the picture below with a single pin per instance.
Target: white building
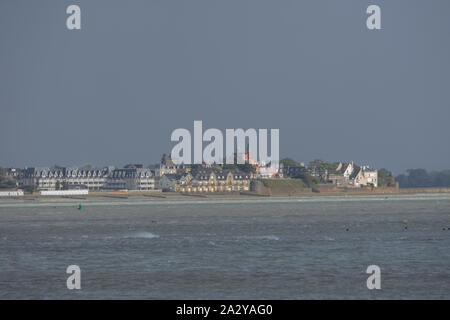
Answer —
(349, 175)
(365, 176)
(71, 178)
(130, 179)
(63, 178)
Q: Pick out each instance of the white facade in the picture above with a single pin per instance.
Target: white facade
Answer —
(63, 192)
(63, 178)
(351, 177)
(17, 193)
(366, 177)
(348, 171)
(130, 179)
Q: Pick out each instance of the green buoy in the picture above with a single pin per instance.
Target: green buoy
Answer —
(80, 207)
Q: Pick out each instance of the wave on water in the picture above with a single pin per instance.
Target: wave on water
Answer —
(265, 237)
(142, 234)
(270, 238)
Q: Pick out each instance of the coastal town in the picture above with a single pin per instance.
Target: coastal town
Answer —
(169, 176)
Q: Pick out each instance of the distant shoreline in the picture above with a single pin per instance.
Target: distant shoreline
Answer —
(95, 200)
(157, 194)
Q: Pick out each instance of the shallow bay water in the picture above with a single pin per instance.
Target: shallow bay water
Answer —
(262, 248)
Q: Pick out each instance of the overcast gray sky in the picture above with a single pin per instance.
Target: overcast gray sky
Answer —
(113, 92)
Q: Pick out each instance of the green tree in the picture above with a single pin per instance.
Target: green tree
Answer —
(323, 165)
(308, 179)
(441, 179)
(385, 178)
(420, 178)
(288, 162)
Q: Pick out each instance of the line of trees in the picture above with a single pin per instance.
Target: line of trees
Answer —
(420, 178)
(414, 178)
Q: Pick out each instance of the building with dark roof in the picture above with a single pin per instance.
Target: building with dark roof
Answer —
(108, 178)
(206, 180)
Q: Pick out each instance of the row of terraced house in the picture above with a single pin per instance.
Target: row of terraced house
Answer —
(206, 180)
(170, 176)
(108, 178)
(167, 178)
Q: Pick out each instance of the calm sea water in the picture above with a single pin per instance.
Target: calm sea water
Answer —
(316, 248)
